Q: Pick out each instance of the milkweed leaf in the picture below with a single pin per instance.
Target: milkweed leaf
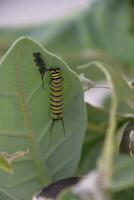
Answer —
(25, 120)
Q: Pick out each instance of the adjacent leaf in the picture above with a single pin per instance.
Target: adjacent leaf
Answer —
(93, 142)
(98, 119)
(25, 121)
(124, 194)
(123, 176)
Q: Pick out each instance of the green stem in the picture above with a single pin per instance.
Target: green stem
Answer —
(105, 163)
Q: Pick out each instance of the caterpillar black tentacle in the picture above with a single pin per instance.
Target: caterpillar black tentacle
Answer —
(52, 124)
(56, 90)
(41, 65)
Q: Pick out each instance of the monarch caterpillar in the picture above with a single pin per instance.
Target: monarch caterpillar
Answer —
(56, 89)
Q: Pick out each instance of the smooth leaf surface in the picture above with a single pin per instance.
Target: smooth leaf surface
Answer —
(25, 121)
(123, 176)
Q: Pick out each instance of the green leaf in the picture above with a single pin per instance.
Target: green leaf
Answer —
(98, 119)
(25, 120)
(93, 142)
(123, 176)
(124, 194)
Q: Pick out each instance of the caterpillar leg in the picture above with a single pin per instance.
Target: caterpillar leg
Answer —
(63, 125)
(52, 125)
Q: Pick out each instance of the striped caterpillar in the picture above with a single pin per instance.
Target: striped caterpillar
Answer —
(56, 89)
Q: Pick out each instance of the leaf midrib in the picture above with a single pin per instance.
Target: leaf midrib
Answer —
(5, 193)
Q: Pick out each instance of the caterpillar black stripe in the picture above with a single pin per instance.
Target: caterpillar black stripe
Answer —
(56, 90)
